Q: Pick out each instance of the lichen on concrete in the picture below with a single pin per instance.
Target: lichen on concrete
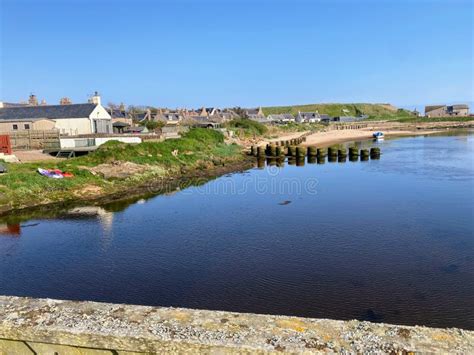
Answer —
(127, 328)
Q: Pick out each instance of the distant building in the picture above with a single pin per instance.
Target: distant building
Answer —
(325, 117)
(209, 111)
(214, 114)
(169, 118)
(255, 114)
(281, 118)
(119, 115)
(308, 117)
(70, 119)
(446, 111)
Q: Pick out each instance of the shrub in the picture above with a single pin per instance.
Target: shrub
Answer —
(250, 126)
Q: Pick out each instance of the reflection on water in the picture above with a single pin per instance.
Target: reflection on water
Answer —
(382, 240)
(103, 217)
(11, 230)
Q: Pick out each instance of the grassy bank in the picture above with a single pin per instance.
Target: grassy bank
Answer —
(197, 150)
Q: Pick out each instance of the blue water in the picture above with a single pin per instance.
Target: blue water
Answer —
(387, 240)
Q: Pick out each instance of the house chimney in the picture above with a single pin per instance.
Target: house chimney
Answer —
(43, 102)
(65, 101)
(1, 104)
(33, 100)
(95, 99)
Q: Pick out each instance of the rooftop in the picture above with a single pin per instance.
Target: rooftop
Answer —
(47, 111)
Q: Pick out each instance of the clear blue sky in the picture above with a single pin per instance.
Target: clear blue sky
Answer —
(178, 53)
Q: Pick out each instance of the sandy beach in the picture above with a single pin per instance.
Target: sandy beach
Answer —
(390, 129)
(324, 139)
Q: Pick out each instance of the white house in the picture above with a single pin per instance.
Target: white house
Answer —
(309, 117)
(69, 119)
(282, 118)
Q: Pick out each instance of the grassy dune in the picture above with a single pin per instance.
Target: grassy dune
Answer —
(375, 111)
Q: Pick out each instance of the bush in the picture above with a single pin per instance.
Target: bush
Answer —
(248, 125)
(152, 125)
(205, 135)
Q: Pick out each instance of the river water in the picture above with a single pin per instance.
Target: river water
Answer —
(388, 240)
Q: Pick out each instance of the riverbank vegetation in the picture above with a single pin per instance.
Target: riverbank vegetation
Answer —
(116, 167)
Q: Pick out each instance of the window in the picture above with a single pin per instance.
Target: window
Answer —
(27, 126)
(15, 127)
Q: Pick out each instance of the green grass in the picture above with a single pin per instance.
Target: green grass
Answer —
(375, 111)
(247, 127)
(23, 186)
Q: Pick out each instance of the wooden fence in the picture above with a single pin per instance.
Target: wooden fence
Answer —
(346, 125)
(32, 139)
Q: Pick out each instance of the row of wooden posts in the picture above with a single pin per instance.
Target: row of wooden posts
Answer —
(292, 149)
(301, 161)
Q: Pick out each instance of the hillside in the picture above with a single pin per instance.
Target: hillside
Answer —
(375, 111)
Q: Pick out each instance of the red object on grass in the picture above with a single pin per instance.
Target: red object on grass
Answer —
(5, 144)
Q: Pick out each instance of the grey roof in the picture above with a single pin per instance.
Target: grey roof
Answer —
(120, 124)
(308, 115)
(433, 107)
(47, 111)
(169, 116)
(460, 107)
(281, 117)
(252, 111)
(116, 113)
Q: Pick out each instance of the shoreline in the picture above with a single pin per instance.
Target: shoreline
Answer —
(153, 187)
(325, 139)
(172, 182)
(390, 129)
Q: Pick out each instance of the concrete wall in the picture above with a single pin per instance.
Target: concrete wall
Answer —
(44, 125)
(45, 326)
(8, 126)
(463, 112)
(77, 142)
(39, 125)
(100, 141)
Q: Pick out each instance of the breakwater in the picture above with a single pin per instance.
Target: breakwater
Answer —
(296, 154)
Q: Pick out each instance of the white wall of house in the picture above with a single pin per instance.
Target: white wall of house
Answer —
(73, 126)
(100, 114)
(85, 125)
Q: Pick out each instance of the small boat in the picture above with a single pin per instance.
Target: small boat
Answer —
(378, 136)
